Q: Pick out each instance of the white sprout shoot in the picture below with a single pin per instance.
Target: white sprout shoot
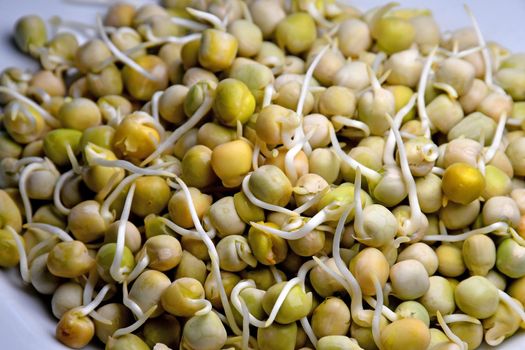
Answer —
(438, 171)
(155, 105)
(422, 86)
(116, 271)
(151, 37)
(371, 175)
(48, 117)
(41, 248)
(214, 257)
(24, 267)
(181, 130)
(269, 91)
(330, 212)
(448, 332)
(377, 313)
(130, 304)
(28, 160)
(105, 212)
(246, 12)
(378, 59)
(89, 288)
(57, 201)
(514, 121)
(497, 226)
(512, 304)
(255, 154)
(352, 123)
(312, 201)
(215, 21)
(385, 311)
(516, 236)
(119, 54)
(359, 226)
(300, 139)
(449, 89)
(245, 325)
(237, 301)
(442, 228)
(57, 231)
(275, 273)
(496, 141)
(430, 152)
(189, 24)
(40, 93)
(139, 268)
(73, 159)
(132, 328)
(459, 54)
(307, 328)
(484, 51)
(417, 224)
(255, 201)
(124, 164)
(318, 17)
(359, 315)
(460, 318)
(178, 229)
(89, 308)
(22, 187)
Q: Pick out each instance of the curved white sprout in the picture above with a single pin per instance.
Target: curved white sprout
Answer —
(496, 141)
(512, 304)
(300, 139)
(181, 40)
(447, 88)
(352, 123)
(116, 271)
(484, 51)
(24, 267)
(181, 130)
(371, 175)
(208, 17)
(105, 211)
(214, 257)
(385, 311)
(257, 202)
(132, 328)
(155, 105)
(376, 320)
(318, 16)
(329, 212)
(129, 303)
(87, 309)
(275, 273)
(189, 24)
(57, 201)
(269, 91)
(417, 224)
(48, 117)
(460, 318)
(119, 54)
(139, 268)
(421, 107)
(497, 226)
(23, 190)
(41, 248)
(57, 231)
(312, 201)
(454, 338)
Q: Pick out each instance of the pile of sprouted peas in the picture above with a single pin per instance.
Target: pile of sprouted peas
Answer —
(268, 174)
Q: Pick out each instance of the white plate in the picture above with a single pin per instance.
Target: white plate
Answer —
(26, 321)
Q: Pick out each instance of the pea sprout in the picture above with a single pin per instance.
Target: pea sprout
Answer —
(41, 248)
(57, 201)
(452, 318)
(215, 21)
(377, 312)
(352, 123)
(417, 224)
(495, 227)
(254, 200)
(24, 268)
(56, 231)
(422, 86)
(116, 271)
(496, 141)
(189, 24)
(385, 311)
(132, 328)
(130, 304)
(512, 304)
(300, 138)
(119, 54)
(22, 187)
(181, 40)
(449, 89)
(48, 118)
(181, 130)
(454, 338)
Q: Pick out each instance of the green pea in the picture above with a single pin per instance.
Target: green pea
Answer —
(277, 337)
(217, 50)
(105, 257)
(296, 33)
(69, 259)
(394, 34)
(510, 258)
(106, 82)
(477, 297)
(56, 142)
(196, 167)
(233, 102)
(120, 317)
(126, 342)
(141, 87)
(267, 248)
(269, 184)
(331, 317)
(30, 34)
